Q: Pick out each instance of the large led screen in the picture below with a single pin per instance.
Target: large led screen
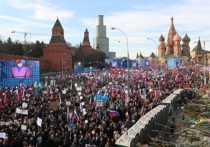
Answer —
(20, 72)
(13, 73)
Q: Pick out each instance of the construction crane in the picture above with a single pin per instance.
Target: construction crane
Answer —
(26, 33)
(204, 62)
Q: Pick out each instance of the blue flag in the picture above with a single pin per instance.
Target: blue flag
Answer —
(71, 125)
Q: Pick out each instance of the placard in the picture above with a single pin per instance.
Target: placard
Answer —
(64, 91)
(7, 123)
(99, 103)
(39, 121)
(53, 105)
(24, 105)
(2, 135)
(21, 111)
(68, 103)
(23, 127)
(2, 123)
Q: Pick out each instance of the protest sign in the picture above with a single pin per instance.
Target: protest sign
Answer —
(39, 121)
(53, 105)
(2, 135)
(23, 127)
(25, 112)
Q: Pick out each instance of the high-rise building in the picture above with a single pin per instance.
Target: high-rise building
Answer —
(101, 39)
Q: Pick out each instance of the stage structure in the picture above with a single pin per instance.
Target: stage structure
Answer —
(145, 63)
(120, 62)
(173, 63)
(13, 73)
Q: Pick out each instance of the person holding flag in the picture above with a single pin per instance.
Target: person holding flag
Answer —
(75, 116)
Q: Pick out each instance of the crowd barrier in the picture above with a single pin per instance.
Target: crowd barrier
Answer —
(171, 103)
(159, 115)
(144, 126)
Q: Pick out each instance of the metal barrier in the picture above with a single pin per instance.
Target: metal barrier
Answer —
(144, 126)
(125, 141)
(178, 91)
(171, 103)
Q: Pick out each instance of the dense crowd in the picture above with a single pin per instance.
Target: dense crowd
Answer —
(84, 122)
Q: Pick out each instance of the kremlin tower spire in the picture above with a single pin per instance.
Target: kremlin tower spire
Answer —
(86, 38)
(57, 51)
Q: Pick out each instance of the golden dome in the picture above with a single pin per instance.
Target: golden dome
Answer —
(172, 18)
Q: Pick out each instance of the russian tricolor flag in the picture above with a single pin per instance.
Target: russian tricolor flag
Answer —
(113, 113)
(76, 117)
(0, 103)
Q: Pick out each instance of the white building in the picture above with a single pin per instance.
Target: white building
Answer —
(101, 38)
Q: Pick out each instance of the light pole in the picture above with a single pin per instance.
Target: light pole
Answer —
(62, 62)
(29, 52)
(155, 45)
(128, 81)
(83, 61)
(97, 61)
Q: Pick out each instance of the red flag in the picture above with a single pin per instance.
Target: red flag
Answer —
(5, 100)
(204, 88)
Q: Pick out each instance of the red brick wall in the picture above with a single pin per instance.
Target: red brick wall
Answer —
(55, 53)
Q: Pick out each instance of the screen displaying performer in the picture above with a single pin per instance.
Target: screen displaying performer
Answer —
(20, 71)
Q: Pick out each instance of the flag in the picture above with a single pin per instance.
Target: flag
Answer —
(76, 117)
(81, 107)
(70, 86)
(113, 113)
(18, 93)
(40, 85)
(45, 85)
(69, 115)
(5, 100)
(0, 103)
(36, 91)
(51, 82)
(71, 125)
(60, 102)
(35, 85)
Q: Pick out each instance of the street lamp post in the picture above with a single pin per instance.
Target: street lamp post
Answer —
(128, 81)
(156, 53)
(83, 61)
(97, 61)
(155, 45)
(28, 52)
(62, 62)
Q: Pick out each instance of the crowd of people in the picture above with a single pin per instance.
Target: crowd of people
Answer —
(78, 120)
